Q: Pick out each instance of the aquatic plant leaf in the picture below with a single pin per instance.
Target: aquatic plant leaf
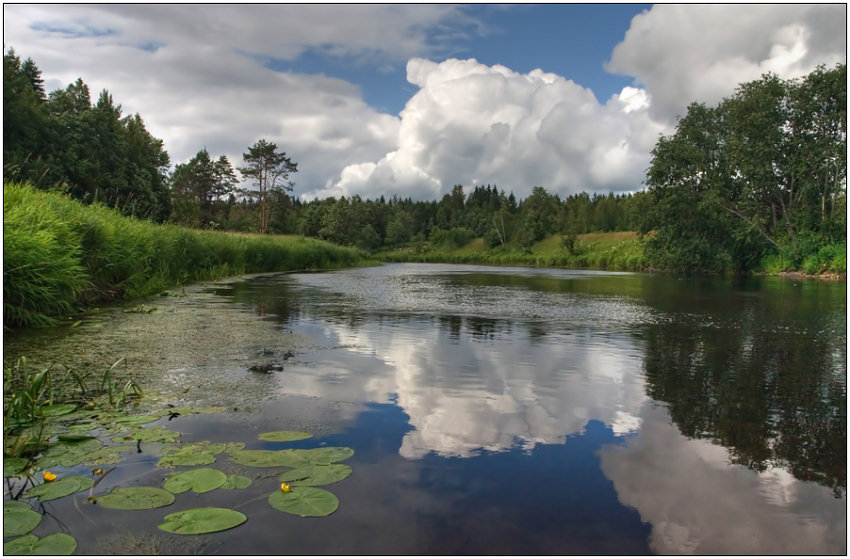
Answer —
(54, 544)
(186, 410)
(67, 453)
(136, 498)
(305, 501)
(18, 519)
(14, 466)
(107, 455)
(135, 419)
(236, 482)
(149, 435)
(56, 410)
(317, 474)
(202, 521)
(218, 448)
(283, 436)
(190, 455)
(327, 454)
(81, 428)
(199, 480)
(267, 458)
(59, 488)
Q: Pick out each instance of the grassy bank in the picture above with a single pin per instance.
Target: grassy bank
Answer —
(611, 251)
(59, 254)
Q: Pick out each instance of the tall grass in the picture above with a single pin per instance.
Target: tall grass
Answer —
(612, 251)
(59, 254)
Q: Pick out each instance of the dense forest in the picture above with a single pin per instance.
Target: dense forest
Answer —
(756, 182)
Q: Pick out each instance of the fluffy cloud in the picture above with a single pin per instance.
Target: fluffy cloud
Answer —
(197, 73)
(200, 76)
(687, 52)
(697, 503)
(475, 124)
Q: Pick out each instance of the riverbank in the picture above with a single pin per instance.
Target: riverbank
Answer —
(60, 255)
(622, 251)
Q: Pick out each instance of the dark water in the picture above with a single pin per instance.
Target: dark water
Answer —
(505, 410)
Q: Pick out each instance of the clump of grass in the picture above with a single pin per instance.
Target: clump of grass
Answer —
(58, 253)
(614, 251)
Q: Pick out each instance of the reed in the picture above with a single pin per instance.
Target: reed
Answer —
(59, 254)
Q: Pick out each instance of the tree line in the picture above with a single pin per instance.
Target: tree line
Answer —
(762, 174)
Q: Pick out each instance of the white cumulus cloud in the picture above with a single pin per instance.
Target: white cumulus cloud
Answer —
(472, 123)
(682, 53)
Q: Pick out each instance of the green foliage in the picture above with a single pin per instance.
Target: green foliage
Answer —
(270, 170)
(283, 436)
(754, 181)
(58, 253)
(59, 488)
(199, 480)
(321, 474)
(203, 520)
(136, 498)
(54, 544)
(18, 519)
(305, 501)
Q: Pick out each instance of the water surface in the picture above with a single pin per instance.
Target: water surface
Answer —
(500, 410)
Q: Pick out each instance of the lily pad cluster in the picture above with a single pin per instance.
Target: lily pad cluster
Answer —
(81, 441)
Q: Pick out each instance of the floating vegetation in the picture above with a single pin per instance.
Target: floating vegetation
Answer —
(305, 501)
(236, 481)
(317, 475)
(54, 544)
(141, 309)
(136, 498)
(199, 480)
(283, 436)
(97, 433)
(59, 488)
(18, 519)
(202, 521)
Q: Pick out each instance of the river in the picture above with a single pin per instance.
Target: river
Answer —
(497, 410)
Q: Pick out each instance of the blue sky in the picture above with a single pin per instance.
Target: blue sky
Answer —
(572, 41)
(411, 99)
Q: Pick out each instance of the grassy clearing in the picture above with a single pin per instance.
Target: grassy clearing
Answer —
(59, 254)
(611, 251)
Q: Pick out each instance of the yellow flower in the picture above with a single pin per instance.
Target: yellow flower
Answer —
(90, 405)
(285, 487)
(48, 477)
(97, 472)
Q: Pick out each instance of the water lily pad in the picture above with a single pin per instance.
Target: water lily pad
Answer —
(18, 518)
(14, 466)
(56, 410)
(135, 419)
(199, 480)
(188, 455)
(327, 454)
(284, 436)
(54, 544)
(149, 435)
(267, 458)
(236, 482)
(305, 501)
(317, 474)
(136, 498)
(107, 455)
(67, 453)
(59, 488)
(202, 521)
(218, 448)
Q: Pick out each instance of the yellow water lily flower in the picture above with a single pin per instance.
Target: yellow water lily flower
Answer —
(48, 477)
(90, 405)
(97, 472)
(285, 487)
